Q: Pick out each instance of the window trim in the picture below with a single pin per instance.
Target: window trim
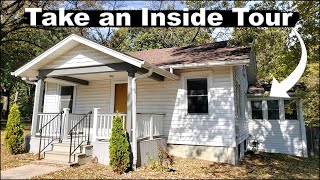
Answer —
(183, 84)
(279, 112)
(250, 102)
(284, 108)
(73, 98)
(187, 96)
(265, 108)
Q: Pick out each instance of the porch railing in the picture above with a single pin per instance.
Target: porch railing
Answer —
(149, 125)
(103, 125)
(74, 119)
(80, 134)
(50, 129)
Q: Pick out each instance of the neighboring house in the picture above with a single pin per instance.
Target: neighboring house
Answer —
(194, 99)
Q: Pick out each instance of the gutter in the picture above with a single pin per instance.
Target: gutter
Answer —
(208, 64)
(134, 115)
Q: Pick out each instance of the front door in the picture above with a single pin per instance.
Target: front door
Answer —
(120, 98)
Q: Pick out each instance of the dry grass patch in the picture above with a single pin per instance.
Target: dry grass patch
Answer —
(263, 165)
(9, 161)
(280, 166)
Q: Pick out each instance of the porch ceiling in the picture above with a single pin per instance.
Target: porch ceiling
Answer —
(102, 76)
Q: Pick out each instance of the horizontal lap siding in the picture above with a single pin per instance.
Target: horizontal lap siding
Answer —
(51, 98)
(95, 95)
(280, 136)
(168, 97)
(239, 75)
(81, 55)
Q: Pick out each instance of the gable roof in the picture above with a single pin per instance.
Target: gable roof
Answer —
(73, 40)
(218, 52)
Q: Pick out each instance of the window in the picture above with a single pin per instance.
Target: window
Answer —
(273, 109)
(66, 97)
(197, 94)
(290, 108)
(256, 107)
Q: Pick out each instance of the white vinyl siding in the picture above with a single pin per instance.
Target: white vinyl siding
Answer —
(213, 129)
(275, 135)
(81, 55)
(51, 98)
(169, 97)
(240, 102)
(95, 95)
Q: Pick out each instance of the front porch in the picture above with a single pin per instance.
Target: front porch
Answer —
(149, 125)
(84, 123)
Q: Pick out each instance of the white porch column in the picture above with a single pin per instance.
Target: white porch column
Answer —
(65, 117)
(151, 126)
(95, 121)
(131, 75)
(37, 106)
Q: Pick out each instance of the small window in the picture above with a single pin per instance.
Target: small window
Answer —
(66, 97)
(197, 93)
(273, 109)
(256, 107)
(290, 109)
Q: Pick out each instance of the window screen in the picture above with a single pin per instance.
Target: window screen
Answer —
(290, 109)
(66, 97)
(256, 107)
(273, 109)
(197, 93)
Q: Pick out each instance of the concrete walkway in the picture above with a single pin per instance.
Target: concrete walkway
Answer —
(28, 171)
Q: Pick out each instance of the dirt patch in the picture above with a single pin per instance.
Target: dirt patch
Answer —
(262, 165)
(9, 160)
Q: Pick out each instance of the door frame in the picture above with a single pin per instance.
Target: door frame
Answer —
(112, 93)
(73, 98)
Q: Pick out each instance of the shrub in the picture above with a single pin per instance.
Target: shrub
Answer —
(14, 131)
(119, 148)
(164, 161)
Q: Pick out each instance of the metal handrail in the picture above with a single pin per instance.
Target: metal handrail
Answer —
(42, 127)
(84, 137)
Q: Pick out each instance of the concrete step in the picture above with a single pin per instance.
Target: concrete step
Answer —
(79, 158)
(65, 147)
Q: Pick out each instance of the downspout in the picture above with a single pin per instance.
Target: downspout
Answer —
(134, 115)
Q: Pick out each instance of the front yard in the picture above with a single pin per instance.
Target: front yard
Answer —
(256, 166)
(9, 161)
(262, 165)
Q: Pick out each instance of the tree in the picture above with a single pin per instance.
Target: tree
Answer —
(278, 53)
(14, 131)
(119, 148)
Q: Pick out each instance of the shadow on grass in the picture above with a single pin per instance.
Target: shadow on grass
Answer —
(274, 165)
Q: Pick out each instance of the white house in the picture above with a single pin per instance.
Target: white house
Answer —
(192, 99)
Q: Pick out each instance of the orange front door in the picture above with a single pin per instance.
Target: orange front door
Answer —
(120, 98)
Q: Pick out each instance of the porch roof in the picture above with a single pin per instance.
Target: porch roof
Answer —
(31, 69)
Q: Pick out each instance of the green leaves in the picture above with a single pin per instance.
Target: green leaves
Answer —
(278, 54)
(119, 149)
(14, 131)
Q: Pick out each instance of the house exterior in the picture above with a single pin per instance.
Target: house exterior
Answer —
(191, 99)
